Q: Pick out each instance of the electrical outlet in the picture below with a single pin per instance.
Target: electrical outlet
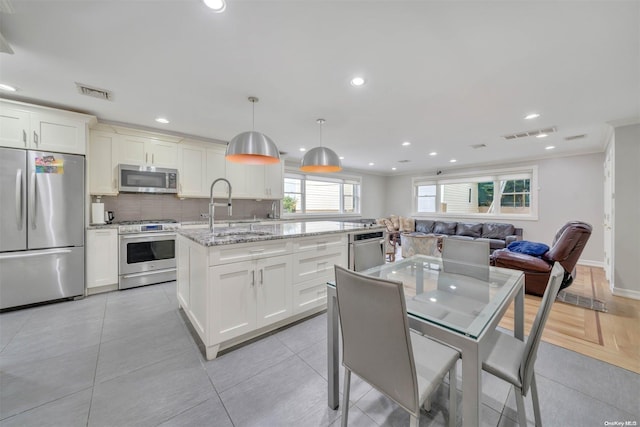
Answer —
(204, 215)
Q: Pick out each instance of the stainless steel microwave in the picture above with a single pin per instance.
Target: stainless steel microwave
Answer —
(147, 179)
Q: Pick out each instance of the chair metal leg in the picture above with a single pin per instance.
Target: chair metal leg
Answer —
(536, 402)
(414, 422)
(522, 416)
(453, 396)
(345, 397)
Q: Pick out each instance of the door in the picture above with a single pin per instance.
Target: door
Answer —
(103, 164)
(234, 300)
(51, 132)
(14, 127)
(609, 196)
(55, 200)
(13, 212)
(274, 289)
(102, 257)
(162, 154)
(192, 169)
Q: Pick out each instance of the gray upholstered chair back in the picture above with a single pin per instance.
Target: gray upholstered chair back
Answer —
(466, 257)
(531, 347)
(375, 335)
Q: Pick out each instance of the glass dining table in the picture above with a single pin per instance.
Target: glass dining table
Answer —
(459, 310)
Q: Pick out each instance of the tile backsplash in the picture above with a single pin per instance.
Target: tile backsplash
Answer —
(134, 206)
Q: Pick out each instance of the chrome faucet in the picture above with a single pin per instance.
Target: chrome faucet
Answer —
(273, 210)
(212, 205)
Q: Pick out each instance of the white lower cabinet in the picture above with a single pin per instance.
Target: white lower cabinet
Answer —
(102, 257)
(232, 293)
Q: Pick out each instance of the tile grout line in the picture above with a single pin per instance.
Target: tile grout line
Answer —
(95, 371)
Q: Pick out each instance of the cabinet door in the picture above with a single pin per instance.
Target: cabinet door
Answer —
(274, 181)
(162, 154)
(52, 132)
(216, 168)
(102, 257)
(14, 127)
(132, 150)
(247, 181)
(102, 162)
(273, 289)
(192, 169)
(233, 300)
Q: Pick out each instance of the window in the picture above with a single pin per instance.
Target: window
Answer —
(305, 194)
(499, 193)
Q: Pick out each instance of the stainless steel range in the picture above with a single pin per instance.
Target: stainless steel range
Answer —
(147, 252)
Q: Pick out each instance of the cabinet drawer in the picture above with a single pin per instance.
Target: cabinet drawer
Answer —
(225, 254)
(327, 242)
(309, 295)
(317, 265)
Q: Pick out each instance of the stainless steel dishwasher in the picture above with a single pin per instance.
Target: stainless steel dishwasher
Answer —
(366, 249)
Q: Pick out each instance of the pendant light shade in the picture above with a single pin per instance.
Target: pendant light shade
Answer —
(321, 159)
(252, 148)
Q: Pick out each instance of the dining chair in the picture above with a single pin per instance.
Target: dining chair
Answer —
(466, 257)
(378, 346)
(512, 360)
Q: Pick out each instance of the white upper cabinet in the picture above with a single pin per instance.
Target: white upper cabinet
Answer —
(102, 163)
(144, 151)
(256, 181)
(199, 164)
(216, 168)
(274, 180)
(40, 128)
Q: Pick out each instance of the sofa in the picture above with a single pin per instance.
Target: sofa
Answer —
(497, 234)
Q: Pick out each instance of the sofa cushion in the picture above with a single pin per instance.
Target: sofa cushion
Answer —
(471, 229)
(455, 236)
(442, 227)
(407, 225)
(389, 225)
(424, 225)
(395, 220)
(497, 230)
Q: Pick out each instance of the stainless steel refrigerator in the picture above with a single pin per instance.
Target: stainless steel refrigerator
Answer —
(41, 226)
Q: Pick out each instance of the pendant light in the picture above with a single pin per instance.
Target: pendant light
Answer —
(252, 148)
(320, 159)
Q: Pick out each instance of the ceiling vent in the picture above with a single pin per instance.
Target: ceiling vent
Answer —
(477, 146)
(404, 161)
(571, 138)
(94, 92)
(530, 133)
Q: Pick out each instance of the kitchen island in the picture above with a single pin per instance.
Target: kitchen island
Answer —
(240, 282)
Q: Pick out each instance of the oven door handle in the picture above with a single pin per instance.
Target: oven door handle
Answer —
(147, 236)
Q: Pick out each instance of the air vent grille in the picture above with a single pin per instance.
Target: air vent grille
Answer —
(94, 92)
(571, 138)
(530, 133)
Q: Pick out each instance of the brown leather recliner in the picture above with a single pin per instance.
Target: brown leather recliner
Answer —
(567, 246)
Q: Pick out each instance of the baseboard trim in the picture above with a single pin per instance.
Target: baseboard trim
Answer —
(626, 293)
(591, 263)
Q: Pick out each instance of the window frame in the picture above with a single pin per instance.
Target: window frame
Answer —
(341, 179)
(494, 175)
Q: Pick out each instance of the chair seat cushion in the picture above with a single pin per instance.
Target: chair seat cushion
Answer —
(433, 360)
(505, 359)
(528, 248)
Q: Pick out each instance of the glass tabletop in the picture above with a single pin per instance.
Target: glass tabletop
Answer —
(464, 303)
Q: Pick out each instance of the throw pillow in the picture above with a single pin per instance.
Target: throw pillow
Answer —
(407, 225)
(528, 248)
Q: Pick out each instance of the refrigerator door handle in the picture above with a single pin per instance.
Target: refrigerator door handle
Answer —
(30, 254)
(19, 199)
(32, 200)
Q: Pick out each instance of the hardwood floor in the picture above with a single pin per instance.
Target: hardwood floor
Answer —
(613, 337)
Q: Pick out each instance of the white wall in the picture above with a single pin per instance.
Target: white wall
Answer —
(570, 188)
(626, 264)
(373, 196)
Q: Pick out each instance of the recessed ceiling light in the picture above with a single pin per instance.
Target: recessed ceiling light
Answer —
(433, 153)
(406, 144)
(452, 161)
(532, 116)
(303, 149)
(393, 169)
(7, 88)
(341, 157)
(550, 147)
(357, 81)
(217, 6)
(371, 164)
(162, 120)
(542, 135)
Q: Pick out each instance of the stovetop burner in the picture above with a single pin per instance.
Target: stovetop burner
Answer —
(147, 221)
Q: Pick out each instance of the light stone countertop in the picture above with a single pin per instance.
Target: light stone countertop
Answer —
(101, 226)
(255, 232)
